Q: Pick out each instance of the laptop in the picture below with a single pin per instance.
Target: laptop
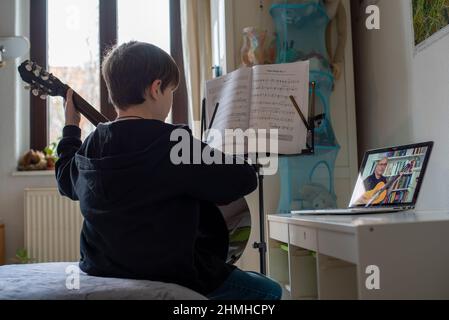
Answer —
(389, 180)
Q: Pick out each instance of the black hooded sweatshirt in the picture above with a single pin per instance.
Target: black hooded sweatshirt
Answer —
(145, 217)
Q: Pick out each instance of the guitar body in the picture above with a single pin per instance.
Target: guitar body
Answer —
(381, 197)
(238, 220)
(236, 215)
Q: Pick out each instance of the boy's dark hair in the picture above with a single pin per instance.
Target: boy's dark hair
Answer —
(129, 69)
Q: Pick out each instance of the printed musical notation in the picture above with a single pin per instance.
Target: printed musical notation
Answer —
(258, 98)
(232, 93)
(270, 103)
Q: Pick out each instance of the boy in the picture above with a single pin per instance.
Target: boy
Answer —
(145, 217)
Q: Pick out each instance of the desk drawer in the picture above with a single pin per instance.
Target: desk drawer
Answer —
(339, 245)
(279, 231)
(303, 237)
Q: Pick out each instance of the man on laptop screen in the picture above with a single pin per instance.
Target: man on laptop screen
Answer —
(389, 180)
(378, 176)
(390, 177)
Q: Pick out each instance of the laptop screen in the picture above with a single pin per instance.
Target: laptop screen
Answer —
(391, 176)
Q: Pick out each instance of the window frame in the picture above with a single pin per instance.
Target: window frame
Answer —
(108, 38)
(38, 53)
(108, 26)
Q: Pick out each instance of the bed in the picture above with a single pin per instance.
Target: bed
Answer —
(48, 281)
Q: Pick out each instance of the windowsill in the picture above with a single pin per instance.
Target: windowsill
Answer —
(42, 173)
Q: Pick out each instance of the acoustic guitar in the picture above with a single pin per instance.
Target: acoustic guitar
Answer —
(380, 192)
(43, 84)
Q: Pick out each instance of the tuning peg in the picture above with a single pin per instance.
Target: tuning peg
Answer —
(45, 77)
(37, 71)
(43, 96)
(27, 87)
(29, 67)
(35, 92)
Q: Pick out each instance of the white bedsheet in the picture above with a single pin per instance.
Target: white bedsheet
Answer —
(47, 281)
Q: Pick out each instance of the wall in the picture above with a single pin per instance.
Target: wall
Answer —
(241, 14)
(403, 95)
(14, 133)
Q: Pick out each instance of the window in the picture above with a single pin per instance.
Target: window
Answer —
(72, 39)
(156, 32)
(73, 56)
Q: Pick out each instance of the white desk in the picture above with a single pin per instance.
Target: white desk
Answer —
(410, 249)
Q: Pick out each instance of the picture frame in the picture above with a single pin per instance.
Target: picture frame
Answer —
(430, 22)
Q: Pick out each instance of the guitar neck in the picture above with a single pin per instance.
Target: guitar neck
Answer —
(87, 110)
(45, 84)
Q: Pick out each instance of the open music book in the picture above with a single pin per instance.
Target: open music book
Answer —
(258, 98)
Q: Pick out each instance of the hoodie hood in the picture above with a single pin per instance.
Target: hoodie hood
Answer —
(111, 161)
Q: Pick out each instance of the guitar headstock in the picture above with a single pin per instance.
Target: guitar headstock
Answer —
(41, 83)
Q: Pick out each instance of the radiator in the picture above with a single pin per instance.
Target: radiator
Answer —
(52, 226)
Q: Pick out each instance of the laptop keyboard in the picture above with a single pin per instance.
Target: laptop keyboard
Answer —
(346, 211)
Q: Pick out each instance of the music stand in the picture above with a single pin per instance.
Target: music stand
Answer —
(310, 150)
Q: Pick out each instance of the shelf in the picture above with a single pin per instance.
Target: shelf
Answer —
(405, 157)
(395, 175)
(278, 263)
(42, 173)
(400, 190)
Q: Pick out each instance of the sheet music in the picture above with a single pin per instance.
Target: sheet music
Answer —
(232, 92)
(271, 107)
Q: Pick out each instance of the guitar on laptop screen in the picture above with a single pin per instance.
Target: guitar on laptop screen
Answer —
(43, 84)
(389, 180)
(381, 190)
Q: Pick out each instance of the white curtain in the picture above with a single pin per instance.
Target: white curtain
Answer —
(197, 50)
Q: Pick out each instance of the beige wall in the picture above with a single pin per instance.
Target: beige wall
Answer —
(403, 95)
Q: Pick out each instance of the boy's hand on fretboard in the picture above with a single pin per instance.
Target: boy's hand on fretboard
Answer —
(72, 116)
